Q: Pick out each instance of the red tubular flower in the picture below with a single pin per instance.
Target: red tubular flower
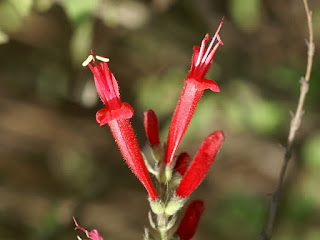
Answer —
(182, 163)
(189, 223)
(151, 127)
(117, 114)
(195, 84)
(94, 234)
(200, 164)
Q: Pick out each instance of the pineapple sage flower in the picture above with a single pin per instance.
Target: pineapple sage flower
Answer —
(195, 84)
(117, 114)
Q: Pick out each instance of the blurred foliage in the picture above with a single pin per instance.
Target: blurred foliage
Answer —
(282, 76)
(43, 5)
(56, 162)
(81, 42)
(3, 37)
(238, 215)
(49, 74)
(128, 14)
(81, 15)
(246, 14)
(311, 152)
(12, 13)
(251, 111)
(79, 11)
(160, 93)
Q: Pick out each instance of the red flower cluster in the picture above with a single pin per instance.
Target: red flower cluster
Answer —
(117, 114)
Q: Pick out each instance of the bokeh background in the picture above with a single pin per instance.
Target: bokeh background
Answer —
(56, 162)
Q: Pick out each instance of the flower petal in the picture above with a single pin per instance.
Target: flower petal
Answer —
(105, 115)
(210, 84)
(200, 164)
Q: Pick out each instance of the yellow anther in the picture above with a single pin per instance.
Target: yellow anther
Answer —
(102, 59)
(87, 61)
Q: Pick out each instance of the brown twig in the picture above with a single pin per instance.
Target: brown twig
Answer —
(294, 126)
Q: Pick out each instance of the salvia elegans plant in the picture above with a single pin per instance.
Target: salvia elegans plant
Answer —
(175, 176)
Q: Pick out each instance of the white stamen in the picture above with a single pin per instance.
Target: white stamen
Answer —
(209, 48)
(79, 238)
(200, 53)
(87, 61)
(212, 41)
(102, 59)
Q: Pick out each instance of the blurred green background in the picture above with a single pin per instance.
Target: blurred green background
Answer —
(56, 162)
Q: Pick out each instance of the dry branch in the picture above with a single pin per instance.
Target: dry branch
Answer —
(294, 126)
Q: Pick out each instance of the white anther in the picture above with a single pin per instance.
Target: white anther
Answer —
(79, 238)
(87, 61)
(102, 59)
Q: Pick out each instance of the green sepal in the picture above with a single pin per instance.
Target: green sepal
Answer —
(174, 205)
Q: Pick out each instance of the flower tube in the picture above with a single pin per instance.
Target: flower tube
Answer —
(117, 114)
(195, 84)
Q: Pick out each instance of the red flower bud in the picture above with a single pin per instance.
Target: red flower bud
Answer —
(195, 84)
(151, 127)
(189, 223)
(182, 163)
(200, 164)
